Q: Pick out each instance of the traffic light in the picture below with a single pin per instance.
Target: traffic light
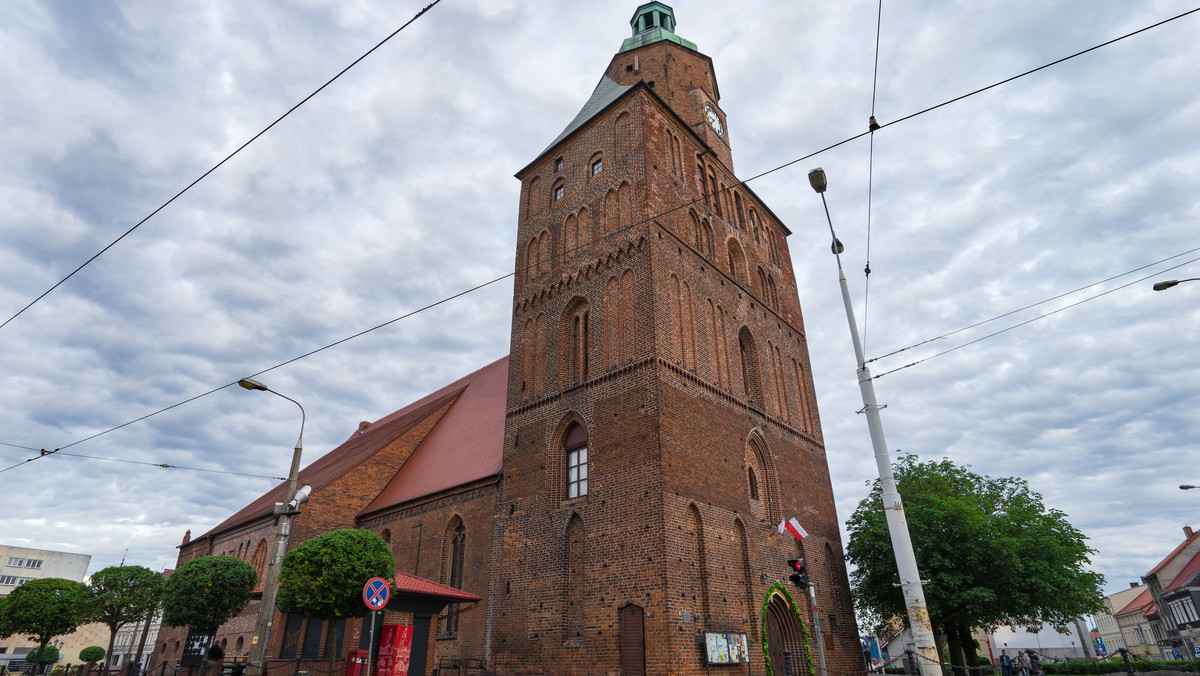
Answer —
(799, 576)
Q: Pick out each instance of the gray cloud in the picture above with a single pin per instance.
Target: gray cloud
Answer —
(393, 188)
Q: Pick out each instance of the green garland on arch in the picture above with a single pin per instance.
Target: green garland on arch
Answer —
(799, 619)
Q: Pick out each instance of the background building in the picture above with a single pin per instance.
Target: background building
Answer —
(1106, 622)
(1174, 586)
(19, 565)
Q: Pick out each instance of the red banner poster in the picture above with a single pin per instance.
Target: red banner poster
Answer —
(387, 640)
(402, 651)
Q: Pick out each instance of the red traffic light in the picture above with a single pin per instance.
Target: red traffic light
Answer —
(799, 576)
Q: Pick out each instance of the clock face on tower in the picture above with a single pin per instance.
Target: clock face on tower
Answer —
(714, 120)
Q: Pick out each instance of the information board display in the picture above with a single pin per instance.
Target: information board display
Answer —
(726, 647)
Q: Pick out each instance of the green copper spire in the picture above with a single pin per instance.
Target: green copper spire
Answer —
(653, 22)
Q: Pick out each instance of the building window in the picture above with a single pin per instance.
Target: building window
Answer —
(576, 331)
(558, 192)
(750, 381)
(575, 446)
(597, 166)
(753, 483)
(454, 575)
(18, 562)
(558, 165)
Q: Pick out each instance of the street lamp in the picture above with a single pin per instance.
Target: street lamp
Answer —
(283, 522)
(906, 560)
(1186, 487)
(1160, 286)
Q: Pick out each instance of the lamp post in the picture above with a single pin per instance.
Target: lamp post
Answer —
(283, 524)
(1160, 286)
(893, 508)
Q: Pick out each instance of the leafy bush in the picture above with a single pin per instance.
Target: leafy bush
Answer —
(1117, 666)
(92, 654)
(47, 655)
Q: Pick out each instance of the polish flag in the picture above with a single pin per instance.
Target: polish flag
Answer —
(793, 526)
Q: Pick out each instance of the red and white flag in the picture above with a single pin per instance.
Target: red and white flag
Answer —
(793, 526)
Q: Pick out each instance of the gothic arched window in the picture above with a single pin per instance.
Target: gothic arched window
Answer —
(575, 448)
(456, 552)
(750, 379)
(576, 330)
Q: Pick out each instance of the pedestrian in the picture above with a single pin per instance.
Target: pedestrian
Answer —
(1005, 664)
(1023, 662)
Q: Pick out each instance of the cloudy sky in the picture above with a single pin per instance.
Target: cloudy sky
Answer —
(393, 189)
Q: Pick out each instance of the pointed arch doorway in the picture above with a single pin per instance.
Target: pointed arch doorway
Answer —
(784, 632)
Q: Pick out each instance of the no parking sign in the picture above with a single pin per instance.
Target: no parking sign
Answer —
(375, 593)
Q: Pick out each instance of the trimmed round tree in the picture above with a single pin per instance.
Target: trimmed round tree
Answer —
(323, 577)
(206, 592)
(45, 608)
(123, 594)
(92, 653)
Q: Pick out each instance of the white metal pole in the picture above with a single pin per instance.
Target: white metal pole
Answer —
(893, 508)
(812, 595)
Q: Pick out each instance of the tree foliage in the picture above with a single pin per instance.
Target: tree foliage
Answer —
(208, 591)
(92, 653)
(121, 594)
(324, 577)
(43, 655)
(45, 608)
(992, 552)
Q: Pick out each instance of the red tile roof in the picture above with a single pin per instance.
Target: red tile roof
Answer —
(361, 446)
(1189, 571)
(466, 445)
(1143, 602)
(411, 584)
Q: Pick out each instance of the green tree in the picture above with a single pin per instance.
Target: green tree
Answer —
(323, 578)
(44, 655)
(206, 592)
(45, 608)
(122, 594)
(991, 550)
(92, 653)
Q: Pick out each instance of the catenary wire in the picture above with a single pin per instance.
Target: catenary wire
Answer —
(219, 164)
(631, 225)
(1034, 319)
(1040, 302)
(871, 126)
(167, 466)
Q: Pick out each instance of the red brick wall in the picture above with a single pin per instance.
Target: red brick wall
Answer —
(668, 522)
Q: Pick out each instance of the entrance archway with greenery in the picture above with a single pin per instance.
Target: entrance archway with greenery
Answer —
(777, 590)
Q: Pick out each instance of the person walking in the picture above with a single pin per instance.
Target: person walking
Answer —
(1006, 664)
(1023, 662)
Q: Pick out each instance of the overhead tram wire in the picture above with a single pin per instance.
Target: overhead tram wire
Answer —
(1047, 300)
(1034, 319)
(872, 125)
(218, 165)
(167, 466)
(631, 225)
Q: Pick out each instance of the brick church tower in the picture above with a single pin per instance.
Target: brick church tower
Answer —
(661, 418)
